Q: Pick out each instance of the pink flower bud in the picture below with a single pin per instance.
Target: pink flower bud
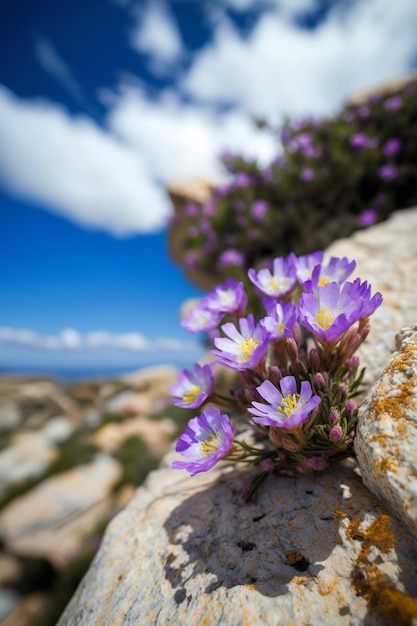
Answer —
(350, 408)
(317, 463)
(336, 434)
(267, 465)
(334, 416)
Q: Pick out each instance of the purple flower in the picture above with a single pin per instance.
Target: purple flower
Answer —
(359, 140)
(227, 298)
(277, 283)
(208, 438)
(193, 231)
(191, 209)
(337, 270)
(305, 264)
(245, 349)
(307, 174)
(387, 172)
(222, 189)
(330, 310)
(286, 135)
(367, 217)
(281, 318)
(287, 407)
(392, 146)
(191, 259)
(258, 209)
(231, 257)
(242, 179)
(200, 318)
(209, 208)
(193, 388)
(393, 104)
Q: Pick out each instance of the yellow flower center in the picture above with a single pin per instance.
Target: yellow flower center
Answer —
(210, 445)
(289, 403)
(247, 348)
(325, 318)
(191, 395)
(275, 283)
(324, 281)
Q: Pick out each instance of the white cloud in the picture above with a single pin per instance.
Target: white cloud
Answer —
(157, 35)
(70, 340)
(284, 69)
(76, 169)
(51, 61)
(183, 140)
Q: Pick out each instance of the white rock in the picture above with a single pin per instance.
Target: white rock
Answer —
(386, 440)
(314, 550)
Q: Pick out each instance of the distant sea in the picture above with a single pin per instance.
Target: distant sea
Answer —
(69, 374)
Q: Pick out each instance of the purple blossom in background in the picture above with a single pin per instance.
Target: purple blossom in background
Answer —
(227, 298)
(209, 208)
(193, 231)
(279, 282)
(305, 264)
(364, 111)
(242, 179)
(208, 438)
(307, 174)
(367, 217)
(231, 257)
(205, 226)
(392, 146)
(192, 389)
(208, 246)
(241, 221)
(200, 318)
(190, 259)
(253, 234)
(245, 349)
(229, 239)
(393, 104)
(191, 209)
(349, 117)
(286, 135)
(222, 190)
(279, 160)
(287, 407)
(388, 172)
(258, 210)
(281, 318)
(360, 140)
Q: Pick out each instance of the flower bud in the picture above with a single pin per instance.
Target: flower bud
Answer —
(317, 463)
(314, 358)
(320, 382)
(352, 365)
(350, 408)
(267, 465)
(336, 434)
(292, 349)
(334, 416)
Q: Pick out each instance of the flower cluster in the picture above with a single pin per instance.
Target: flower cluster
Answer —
(296, 364)
(330, 177)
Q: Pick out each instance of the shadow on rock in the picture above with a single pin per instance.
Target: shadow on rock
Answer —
(291, 529)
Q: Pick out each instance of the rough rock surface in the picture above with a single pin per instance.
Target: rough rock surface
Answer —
(386, 441)
(52, 519)
(315, 550)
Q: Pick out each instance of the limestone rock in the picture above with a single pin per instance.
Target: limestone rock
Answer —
(313, 550)
(386, 441)
(26, 610)
(157, 434)
(52, 519)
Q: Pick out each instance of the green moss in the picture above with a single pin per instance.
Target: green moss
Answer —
(137, 461)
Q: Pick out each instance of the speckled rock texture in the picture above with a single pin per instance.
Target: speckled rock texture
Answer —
(386, 440)
(314, 550)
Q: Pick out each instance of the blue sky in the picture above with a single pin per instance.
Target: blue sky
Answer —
(102, 103)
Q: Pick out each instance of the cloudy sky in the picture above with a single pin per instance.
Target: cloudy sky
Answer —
(104, 102)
